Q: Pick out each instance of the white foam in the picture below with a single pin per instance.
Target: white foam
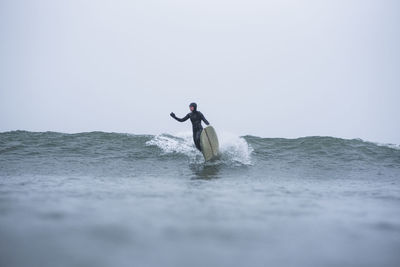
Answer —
(233, 148)
(180, 143)
(393, 146)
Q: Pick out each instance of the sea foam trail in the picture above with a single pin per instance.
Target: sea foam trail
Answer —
(233, 148)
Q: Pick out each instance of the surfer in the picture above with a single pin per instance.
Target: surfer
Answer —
(195, 117)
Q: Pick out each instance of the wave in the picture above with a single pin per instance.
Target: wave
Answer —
(235, 150)
(325, 151)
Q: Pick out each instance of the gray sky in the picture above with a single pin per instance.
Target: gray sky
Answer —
(266, 68)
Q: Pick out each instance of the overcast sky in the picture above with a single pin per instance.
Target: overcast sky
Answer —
(266, 68)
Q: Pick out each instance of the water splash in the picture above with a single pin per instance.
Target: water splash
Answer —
(234, 149)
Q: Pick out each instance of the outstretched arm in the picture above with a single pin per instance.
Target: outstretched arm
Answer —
(204, 119)
(178, 119)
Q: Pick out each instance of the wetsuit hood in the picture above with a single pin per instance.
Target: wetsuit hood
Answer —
(193, 105)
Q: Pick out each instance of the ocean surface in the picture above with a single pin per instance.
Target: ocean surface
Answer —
(112, 199)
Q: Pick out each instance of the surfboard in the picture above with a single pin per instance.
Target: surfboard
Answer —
(209, 143)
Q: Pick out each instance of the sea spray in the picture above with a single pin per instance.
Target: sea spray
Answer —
(234, 149)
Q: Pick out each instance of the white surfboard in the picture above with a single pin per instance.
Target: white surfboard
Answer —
(209, 143)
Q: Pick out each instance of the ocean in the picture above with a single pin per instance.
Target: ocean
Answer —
(114, 199)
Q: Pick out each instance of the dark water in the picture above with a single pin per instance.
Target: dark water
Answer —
(109, 199)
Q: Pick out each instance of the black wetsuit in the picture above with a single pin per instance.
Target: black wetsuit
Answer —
(195, 117)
